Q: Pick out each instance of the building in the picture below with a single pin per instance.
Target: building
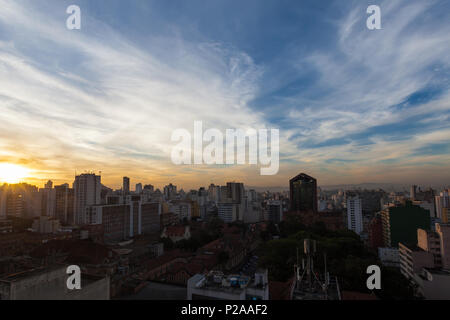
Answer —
(375, 233)
(389, 257)
(87, 188)
(64, 204)
(177, 233)
(443, 230)
(45, 224)
(275, 211)
(430, 241)
(445, 215)
(400, 223)
(303, 193)
(126, 186)
(124, 221)
(170, 192)
(354, 214)
(227, 211)
(413, 259)
(182, 209)
(138, 188)
(217, 286)
(49, 283)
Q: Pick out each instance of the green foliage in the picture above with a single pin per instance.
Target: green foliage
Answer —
(347, 258)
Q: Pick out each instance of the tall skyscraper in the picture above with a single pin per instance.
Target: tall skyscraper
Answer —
(354, 214)
(138, 188)
(303, 193)
(87, 188)
(126, 186)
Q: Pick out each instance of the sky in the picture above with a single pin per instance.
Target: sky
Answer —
(352, 105)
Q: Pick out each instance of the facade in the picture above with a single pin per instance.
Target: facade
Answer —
(354, 214)
(430, 241)
(443, 230)
(64, 204)
(303, 193)
(87, 189)
(413, 259)
(389, 257)
(375, 232)
(125, 221)
(227, 211)
(182, 209)
(45, 224)
(400, 223)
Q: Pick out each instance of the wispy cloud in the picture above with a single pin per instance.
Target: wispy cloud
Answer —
(350, 110)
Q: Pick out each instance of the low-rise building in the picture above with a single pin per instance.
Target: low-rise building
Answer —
(50, 283)
(389, 257)
(413, 259)
(217, 286)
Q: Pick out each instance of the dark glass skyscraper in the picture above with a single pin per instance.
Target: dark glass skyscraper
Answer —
(303, 190)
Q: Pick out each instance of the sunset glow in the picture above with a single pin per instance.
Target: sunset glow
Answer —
(12, 173)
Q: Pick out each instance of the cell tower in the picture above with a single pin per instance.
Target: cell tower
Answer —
(309, 284)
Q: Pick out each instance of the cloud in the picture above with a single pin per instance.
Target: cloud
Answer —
(361, 105)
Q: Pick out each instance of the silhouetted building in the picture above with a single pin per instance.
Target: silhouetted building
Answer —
(126, 186)
(400, 223)
(303, 191)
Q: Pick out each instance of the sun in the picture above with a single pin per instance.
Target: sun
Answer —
(12, 173)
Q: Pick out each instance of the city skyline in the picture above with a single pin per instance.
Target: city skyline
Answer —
(352, 105)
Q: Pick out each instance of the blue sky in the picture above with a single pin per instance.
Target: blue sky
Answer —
(352, 105)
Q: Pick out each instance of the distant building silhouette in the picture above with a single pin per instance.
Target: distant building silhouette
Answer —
(303, 193)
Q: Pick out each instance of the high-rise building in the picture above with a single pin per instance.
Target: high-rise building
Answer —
(400, 224)
(442, 201)
(126, 186)
(275, 211)
(354, 214)
(443, 230)
(87, 189)
(303, 193)
(64, 204)
(235, 191)
(227, 211)
(138, 188)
